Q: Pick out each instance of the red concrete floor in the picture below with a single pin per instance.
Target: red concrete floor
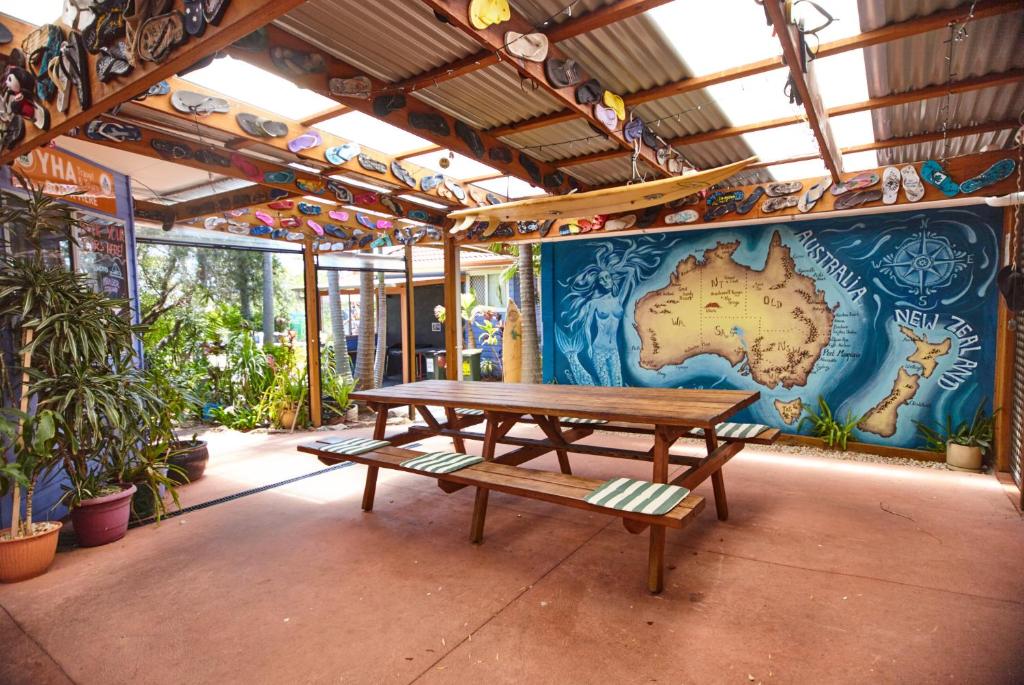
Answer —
(826, 572)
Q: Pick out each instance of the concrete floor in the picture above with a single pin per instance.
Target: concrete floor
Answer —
(826, 572)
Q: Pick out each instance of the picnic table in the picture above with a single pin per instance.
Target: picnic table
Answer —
(565, 415)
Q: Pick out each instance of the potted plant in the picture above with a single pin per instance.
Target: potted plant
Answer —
(77, 361)
(186, 459)
(27, 548)
(966, 443)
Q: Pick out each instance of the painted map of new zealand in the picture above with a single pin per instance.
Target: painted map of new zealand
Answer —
(889, 318)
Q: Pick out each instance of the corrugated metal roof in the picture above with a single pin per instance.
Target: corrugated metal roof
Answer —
(390, 39)
(991, 45)
(549, 143)
(489, 97)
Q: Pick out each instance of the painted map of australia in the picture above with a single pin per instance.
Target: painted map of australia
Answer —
(775, 320)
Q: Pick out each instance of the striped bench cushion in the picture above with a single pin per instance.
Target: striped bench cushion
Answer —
(469, 412)
(441, 462)
(638, 496)
(352, 446)
(735, 430)
(583, 422)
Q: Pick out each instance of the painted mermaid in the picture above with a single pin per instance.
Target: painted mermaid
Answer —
(594, 308)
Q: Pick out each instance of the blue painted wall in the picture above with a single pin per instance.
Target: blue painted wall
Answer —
(872, 284)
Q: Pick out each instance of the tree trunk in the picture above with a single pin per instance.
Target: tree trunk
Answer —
(531, 372)
(268, 298)
(30, 491)
(381, 357)
(365, 353)
(342, 365)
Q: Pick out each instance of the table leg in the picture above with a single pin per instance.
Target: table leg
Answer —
(656, 552)
(552, 428)
(491, 434)
(717, 480)
(453, 422)
(379, 428)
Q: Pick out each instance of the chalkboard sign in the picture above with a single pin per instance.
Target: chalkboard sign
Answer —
(102, 253)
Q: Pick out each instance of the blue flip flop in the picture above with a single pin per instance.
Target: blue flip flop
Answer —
(260, 230)
(933, 172)
(282, 177)
(428, 183)
(994, 174)
(340, 154)
(309, 209)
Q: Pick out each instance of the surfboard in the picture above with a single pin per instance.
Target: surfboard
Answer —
(512, 345)
(605, 201)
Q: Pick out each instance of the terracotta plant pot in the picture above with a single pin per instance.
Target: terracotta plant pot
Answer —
(286, 418)
(103, 519)
(192, 458)
(26, 558)
(352, 413)
(963, 458)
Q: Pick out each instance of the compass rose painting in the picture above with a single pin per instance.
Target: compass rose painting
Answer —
(925, 263)
(890, 317)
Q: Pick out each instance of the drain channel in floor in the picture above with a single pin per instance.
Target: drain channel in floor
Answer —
(246, 493)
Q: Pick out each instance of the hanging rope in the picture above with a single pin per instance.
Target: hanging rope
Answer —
(957, 34)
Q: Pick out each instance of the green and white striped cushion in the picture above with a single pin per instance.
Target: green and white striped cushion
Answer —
(469, 412)
(354, 446)
(735, 430)
(441, 462)
(584, 422)
(639, 496)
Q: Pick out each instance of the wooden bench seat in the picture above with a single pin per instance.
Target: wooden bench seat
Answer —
(557, 488)
(766, 437)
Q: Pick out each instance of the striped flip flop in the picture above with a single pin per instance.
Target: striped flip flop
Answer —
(583, 422)
(638, 496)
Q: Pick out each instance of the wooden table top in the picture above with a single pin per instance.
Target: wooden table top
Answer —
(660, 406)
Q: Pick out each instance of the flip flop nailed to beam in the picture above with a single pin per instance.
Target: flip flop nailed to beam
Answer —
(592, 203)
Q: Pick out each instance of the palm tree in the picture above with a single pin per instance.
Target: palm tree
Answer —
(380, 358)
(365, 351)
(525, 266)
(342, 365)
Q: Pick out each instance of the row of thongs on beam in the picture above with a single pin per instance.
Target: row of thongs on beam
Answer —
(330, 228)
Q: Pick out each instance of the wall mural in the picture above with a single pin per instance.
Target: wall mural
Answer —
(891, 317)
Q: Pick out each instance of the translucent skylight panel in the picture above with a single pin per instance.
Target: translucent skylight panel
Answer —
(753, 99)
(845, 13)
(859, 161)
(852, 129)
(782, 143)
(242, 81)
(712, 36)
(35, 12)
(361, 183)
(842, 79)
(812, 168)
(373, 133)
(460, 166)
(512, 188)
(421, 201)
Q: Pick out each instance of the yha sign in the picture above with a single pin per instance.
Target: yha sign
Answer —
(59, 174)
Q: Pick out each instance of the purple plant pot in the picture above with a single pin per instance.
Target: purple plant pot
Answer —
(103, 519)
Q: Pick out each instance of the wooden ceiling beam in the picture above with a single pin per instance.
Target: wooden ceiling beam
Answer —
(988, 81)
(226, 124)
(547, 175)
(896, 31)
(802, 77)
(225, 166)
(241, 18)
(493, 38)
(426, 149)
(325, 115)
(570, 28)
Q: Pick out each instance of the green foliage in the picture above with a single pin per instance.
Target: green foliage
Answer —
(338, 389)
(94, 413)
(824, 425)
(288, 388)
(979, 431)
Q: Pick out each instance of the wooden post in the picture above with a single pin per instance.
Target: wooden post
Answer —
(656, 550)
(453, 309)
(410, 312)
(1002, 395)
(312, 294)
